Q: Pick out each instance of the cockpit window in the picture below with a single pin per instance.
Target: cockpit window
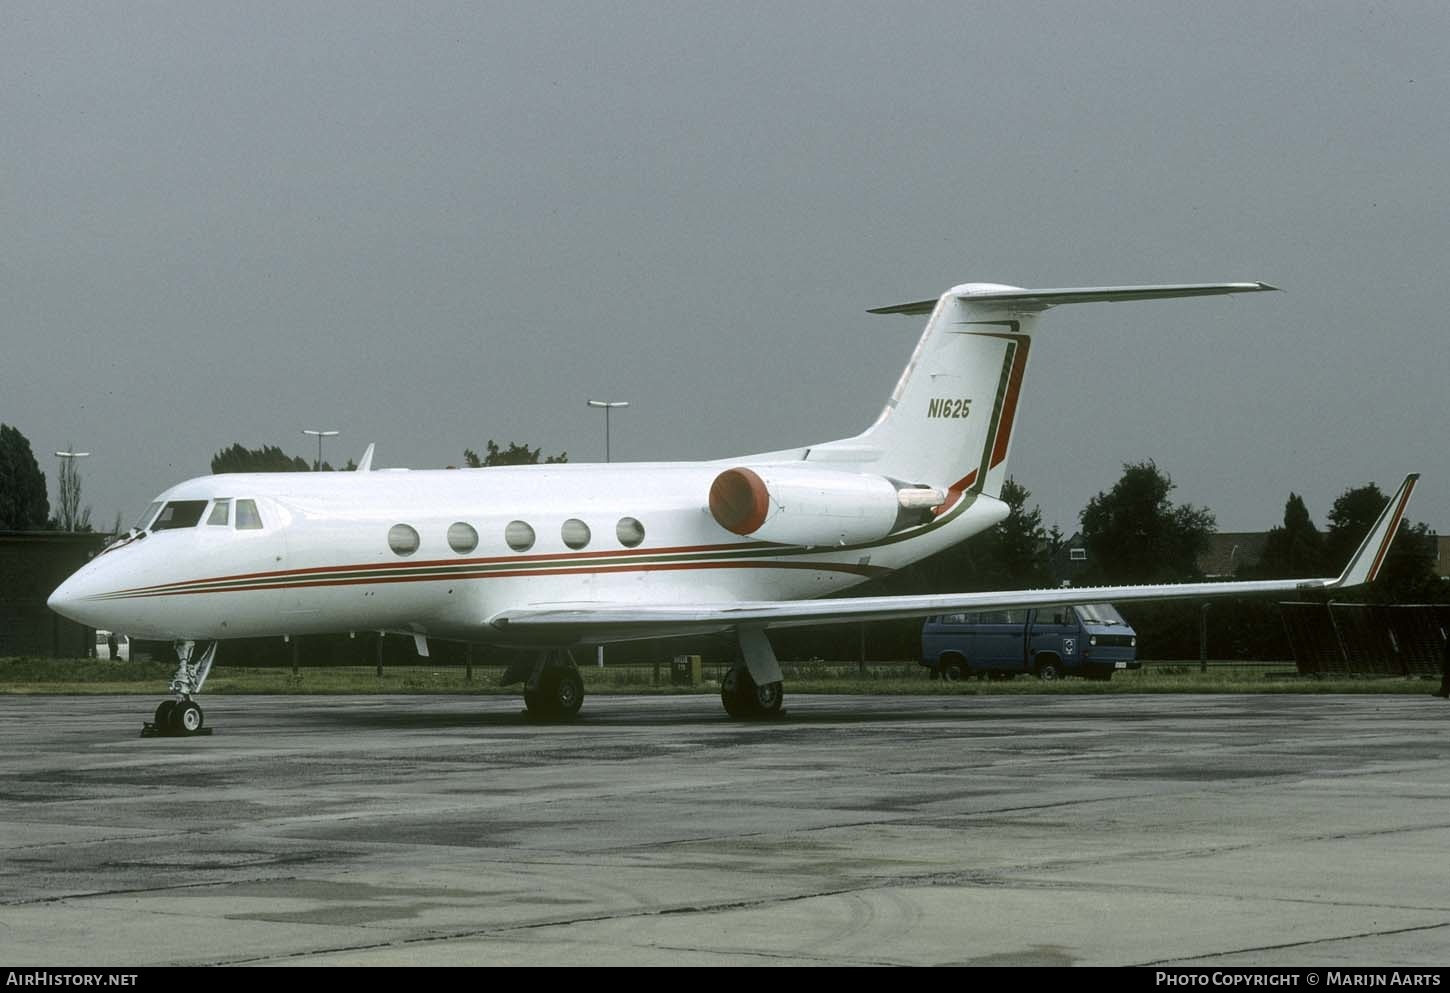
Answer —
(147, 516)
(247, 517)
(179, 514)
(220, 511)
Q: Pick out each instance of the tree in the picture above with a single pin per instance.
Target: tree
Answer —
(1015, 554)
(268, 458)
(1135, 535)
(70, 515)
(1408, 574)
(1295, 550)
(24, 505)
(515, 454)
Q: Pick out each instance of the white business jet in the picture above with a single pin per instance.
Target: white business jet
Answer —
(547, 557)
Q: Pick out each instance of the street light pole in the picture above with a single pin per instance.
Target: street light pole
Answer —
(608, 405)
(68, 457)
(320, 435)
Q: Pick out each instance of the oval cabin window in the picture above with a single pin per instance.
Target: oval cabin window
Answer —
(402, 539)
(519, 536)
(629, 531)
(462, 538)
(575, 533)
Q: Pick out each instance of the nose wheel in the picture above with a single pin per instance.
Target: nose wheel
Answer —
(177, 719)
(183, 717)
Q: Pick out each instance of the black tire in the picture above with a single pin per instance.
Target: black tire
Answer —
(954, 668)
(163, 715)
(568, 694)
(187, 718)
(744, 699)
(537, 703)
(1049, 670)
(768, 698)
(558, 697)
(736, 691)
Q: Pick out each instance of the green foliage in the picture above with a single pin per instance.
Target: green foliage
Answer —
(1295, 549)
(24, 505)
(268, 458)
(515, 454)
(1135, 535)
(1351, 517)
(1015, 554)
(1408, 574)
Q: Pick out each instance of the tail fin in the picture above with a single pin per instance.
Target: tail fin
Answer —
(949, 421)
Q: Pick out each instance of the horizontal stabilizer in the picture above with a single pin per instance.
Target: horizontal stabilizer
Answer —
(1024, 299)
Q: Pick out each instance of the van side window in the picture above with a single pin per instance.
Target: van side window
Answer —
(954, 619)
(247, 517)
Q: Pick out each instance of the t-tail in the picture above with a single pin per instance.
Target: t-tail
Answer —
(950, 420)
(941, 443)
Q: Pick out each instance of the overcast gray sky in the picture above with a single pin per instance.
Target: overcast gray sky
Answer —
(430, 224)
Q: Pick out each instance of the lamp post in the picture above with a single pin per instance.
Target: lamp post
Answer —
(608, 405)
(320, 435)
(66, 480)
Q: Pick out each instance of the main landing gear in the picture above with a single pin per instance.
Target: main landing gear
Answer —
(745, 699)
(183, 716)
(754, 687)
(553, 688)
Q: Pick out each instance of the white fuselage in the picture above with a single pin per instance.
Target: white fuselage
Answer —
(323, 562)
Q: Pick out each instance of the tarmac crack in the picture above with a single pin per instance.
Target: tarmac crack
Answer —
(503, 930)
(1416, 929)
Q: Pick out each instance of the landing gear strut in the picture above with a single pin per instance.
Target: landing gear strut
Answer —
(183, 716)
(553, 688)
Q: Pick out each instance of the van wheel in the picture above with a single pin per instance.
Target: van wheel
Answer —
(1049, 670)
(953, 670)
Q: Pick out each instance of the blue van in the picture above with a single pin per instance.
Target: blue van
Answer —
(1089, 640)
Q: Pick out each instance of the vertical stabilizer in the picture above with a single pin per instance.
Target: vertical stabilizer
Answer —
(950, 420)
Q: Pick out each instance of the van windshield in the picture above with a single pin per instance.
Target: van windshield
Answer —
(1100, 613)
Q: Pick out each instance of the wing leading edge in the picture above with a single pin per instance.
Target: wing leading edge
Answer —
(624, 622)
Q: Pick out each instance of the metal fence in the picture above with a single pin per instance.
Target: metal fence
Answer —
(1365, 639)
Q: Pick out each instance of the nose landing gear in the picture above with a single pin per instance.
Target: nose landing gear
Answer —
(183, 717)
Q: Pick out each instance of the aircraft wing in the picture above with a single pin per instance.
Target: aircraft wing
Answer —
(622, 622)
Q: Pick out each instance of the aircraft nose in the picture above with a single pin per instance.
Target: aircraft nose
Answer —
(63, 601)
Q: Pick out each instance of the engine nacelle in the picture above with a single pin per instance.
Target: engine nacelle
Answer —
(796, 505)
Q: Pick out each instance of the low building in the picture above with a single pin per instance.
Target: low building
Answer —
(32, 565)
(1230, 551)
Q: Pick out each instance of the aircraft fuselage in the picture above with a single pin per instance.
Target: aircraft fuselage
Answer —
(336, 552)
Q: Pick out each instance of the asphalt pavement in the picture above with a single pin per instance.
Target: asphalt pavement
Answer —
(1113, 830)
